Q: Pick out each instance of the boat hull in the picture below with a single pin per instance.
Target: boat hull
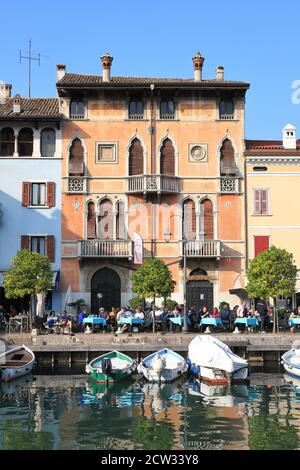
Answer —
(290, 369)
(117, 374)
(220, 377)
(11, 373)
(174, 368)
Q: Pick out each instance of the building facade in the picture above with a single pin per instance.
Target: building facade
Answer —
(273, 178)
(30, 183)
(160, 157)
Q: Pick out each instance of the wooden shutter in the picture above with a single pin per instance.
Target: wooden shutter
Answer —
(189, 227)
(24, 242)
(91, 221)
(256, 196)
(264, 201)
(106, 220)
(121, 232)
(208, 219)
(228, 166)
(76, 158)
(50, 241)
(51, 194)
(167, 158)
(136, 158)
(261, 243)
(25, 194)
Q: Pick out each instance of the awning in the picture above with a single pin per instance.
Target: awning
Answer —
(239, 292)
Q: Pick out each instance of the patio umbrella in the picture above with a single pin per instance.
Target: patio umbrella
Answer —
(68, 298)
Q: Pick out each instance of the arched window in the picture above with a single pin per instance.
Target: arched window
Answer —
(106, 220)
(227, 164)
(136, 108)
(7, 142)
(120, 221)
(77, 110)
(48, 142)
(189, 220)
(25, 142)
(136, 158)
(76, 158)
(226, 108)
(198, 272)
(206, 220)
(167, 108)
(167, 158)
(91, 221)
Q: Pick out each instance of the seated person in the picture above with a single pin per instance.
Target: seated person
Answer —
(129, 313)
(215, 313)
(165, 316)
(139, 313)
(112, 318)
(225, 315)
(103, 313)
(66, 322)
(82, 315)
(193, 318)
(203, 313)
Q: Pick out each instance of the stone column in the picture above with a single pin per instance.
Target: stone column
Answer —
(36, 143)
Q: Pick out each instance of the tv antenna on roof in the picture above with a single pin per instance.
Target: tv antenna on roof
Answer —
(30, 57)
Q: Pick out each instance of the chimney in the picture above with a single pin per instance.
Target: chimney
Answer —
(220, 73)
(17, 104)
(198, 64)
(289, 137)
(60, 71)
(106, 63)
(5, 92)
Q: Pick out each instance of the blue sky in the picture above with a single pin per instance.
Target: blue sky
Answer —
(255, 41)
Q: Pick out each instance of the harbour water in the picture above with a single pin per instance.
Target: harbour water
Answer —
(58, 410)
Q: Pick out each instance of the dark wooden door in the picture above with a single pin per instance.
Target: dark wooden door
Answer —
(167, 159)
(200, 294)
(106, 282)
(136, 158)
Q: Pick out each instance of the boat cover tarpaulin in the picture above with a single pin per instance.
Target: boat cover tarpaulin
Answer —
(207, 351)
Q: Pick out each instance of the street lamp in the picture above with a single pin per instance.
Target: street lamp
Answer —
(167, 235)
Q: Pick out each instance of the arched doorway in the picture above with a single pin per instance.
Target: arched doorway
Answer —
(200, 294)
(106, 282)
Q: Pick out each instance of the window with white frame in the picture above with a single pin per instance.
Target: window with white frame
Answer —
(261, 201)
(38, 194)
(38, 245)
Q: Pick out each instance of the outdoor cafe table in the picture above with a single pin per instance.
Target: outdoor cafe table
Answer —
(211, 322)
(294, 322)
(130, 321)
(177, 320)
(247, 321)
(94, 321)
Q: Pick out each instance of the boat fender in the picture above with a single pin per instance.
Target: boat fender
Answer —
(106, 366)
(179, 372)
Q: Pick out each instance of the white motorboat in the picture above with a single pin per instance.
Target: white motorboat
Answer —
(162, 366)
(214, 362)
(291, 360)
(15, 363)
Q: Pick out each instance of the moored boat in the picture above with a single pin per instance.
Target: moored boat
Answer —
(214, 362)
(291, 361)
(163, 366)
(111, 367)
(15, 363)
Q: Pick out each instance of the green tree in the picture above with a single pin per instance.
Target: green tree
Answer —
(270, 433)
(272, 274)
(153, 279)
(29, 274)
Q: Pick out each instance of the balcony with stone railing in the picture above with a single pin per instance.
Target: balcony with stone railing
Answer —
(105, 248)
(201, 248)
(77, 184)
(153, 184)
(230, 185)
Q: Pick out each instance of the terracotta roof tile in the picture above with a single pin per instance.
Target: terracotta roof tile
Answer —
(31, 108)
(267, 145)
(79, 80)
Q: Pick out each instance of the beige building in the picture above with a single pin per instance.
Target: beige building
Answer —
(273, 185)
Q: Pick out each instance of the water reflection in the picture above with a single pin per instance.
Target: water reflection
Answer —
(69, 412)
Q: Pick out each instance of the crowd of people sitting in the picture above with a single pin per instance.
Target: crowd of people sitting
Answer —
(115, 319)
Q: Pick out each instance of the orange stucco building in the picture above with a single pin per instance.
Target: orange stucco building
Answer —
(161, 157)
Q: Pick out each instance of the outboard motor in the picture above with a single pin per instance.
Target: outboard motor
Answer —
(158, 364)
(106, 367)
